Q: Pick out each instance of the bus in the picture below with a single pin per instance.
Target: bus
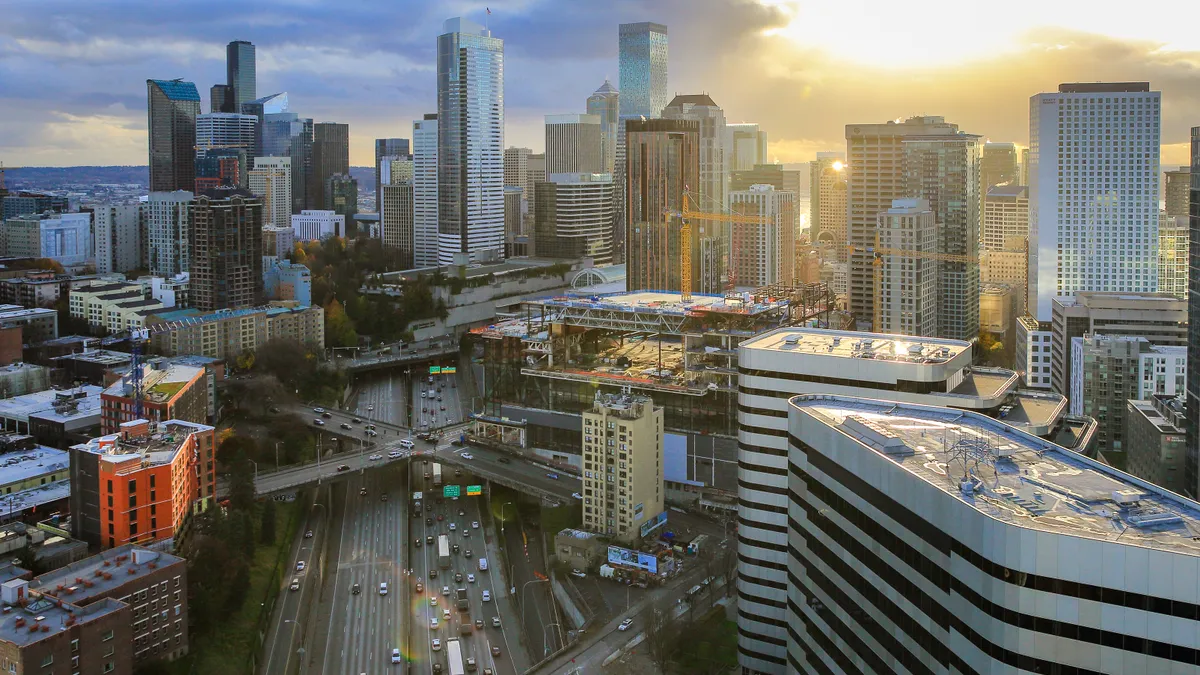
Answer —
(455, 657)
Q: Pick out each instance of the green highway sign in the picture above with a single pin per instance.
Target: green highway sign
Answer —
(449, 370)
(474, 490)
(435, 370)
(451, 491)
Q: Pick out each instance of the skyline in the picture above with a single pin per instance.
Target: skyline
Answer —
(75, 95)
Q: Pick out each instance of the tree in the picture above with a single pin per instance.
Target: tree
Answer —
(339, 328)
(241, 484)
(660, 631)
(245, 361)
(267, 529)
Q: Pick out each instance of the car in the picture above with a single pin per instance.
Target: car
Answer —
(356, 420)
(355, 589)
(495, 650)
(470, 578)
(457, 473)
(487, 596)
(424, 409)
(433, 601)
(467, 553)
(417, 542)
(445, 590)
(440, 398)
(437, 644)
(474, 524)
(370, 408)
(406, 443)
(428, 520)
(395, 656)
(319, 410)
(433, 623)
(326, 415)
(308, 534)
(452, 526)
(432, 574)
(552, 476)
(504, 460)
(344, 425)
(479, 623)
(467, 455)
(318, 423)
(458, 577)
(443, 407)
(363, 491)
(300, 566)
(446, 614)
(578, 574)
(462, 512)
(441, 517)
(383, 588)
(495, 622)
(295, 585)
(439, 390)
(420, 587)
(466, 532)
(343, 467)
(429, 539)
(455, 548)
(395, 454)
(371, 432)
(625, 625)
(375, 458)
(437, 667)
(576, 495)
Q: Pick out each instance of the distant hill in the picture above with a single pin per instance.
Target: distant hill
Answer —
(60, 177)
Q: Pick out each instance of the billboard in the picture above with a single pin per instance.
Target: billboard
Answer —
(474, 490)
(628, 558)
(653, 524)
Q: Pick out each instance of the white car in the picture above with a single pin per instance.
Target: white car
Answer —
(576, 495)
(383, 588)
(446, 614)
(487, 596)
(395, 454)
(433, 623)
(375, 458)
(625, 625)
(467, 455)
(445, 590)
(474, 524)
(470, 578)
(370, 408)
(433, 601)
(495, 622)
(452, 526)
(319, 411)
(300, 566)
(437, 644)
(395, 656)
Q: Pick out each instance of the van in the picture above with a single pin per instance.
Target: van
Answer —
(483, 564)
(406, 443)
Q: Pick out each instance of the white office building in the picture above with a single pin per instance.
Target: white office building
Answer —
(470, 158)
(271, 179)
(120, 237)
(907, 286)
(310, 225)
(225, 130)
(63, 237)
(167, 225)
(763, 253)
(1093, 191)
(747, 146)
(786, 362)
(425, 191)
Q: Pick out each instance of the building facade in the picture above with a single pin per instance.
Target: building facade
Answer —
(241, 72)
(622, 465)
(574, 217)
(747, 146)
(1173, 246)
(229, 334)
(425, 191)
(397, 219)
(172, 108)
(907, 287)
(314, 225)
(121, 237)
(387, 149)
(330, 157)
(573, 144)
(1095, 229)
(170, 391)
(271, 179)
(762, 253)
(1191, 478)
(712, 194)
(828, 204)
(999, 165)
(1177, 188)
(62, 237)
(642, 66)
(604, 103)
(226, 248)
(220, 130)
(1155, 441)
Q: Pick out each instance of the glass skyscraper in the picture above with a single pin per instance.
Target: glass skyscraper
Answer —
(470, 160)
(643, 69)
(605, 102)
(241, 73)
(171, 111)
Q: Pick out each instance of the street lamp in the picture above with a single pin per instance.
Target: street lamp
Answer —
(255, 474)
(295, 622)
(522, 597)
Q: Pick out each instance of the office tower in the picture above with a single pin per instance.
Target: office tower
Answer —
(425, 191)
(172, 108)
(574, 217)
(63, 237)
(260, 108)
(945, 171)
(761, 254)
(271, 179)
(711, 194)
(1159, 317)
(786, 362)
(1004, 239)
(226, 252)
(516, 167)
(396, 148)
(1178, 191)
(642, 61)
(760, 174)
(330, 157)
(286, 134)
(664, 161)
(222, 168)
(816, 169)
(1108, 370)
(220, 99)
(1093, 232)
(516, 243)
(1156, 441)
(907, 285)
(470, 74)
(876, 157)
(226, 130)
(535, 173)
(241, 73)
(25, 202)
(1191, 476)
(605, 103)
(341, 197)
(916, 543)
(829, 202)
(1173, 246)
(573, 144)
(622, 450)
(317, 224)
(747, 146)
(168, 232)
(120, 237)
(999, 165)
(996, 314)
(396, 218)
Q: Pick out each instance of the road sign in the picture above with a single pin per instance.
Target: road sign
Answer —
(449, 370)
(451, 491)
(474, 490)
(435, 370)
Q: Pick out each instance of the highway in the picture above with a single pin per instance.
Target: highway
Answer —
(384, 397)
(287, 633)
(518, 473)
(440, 405)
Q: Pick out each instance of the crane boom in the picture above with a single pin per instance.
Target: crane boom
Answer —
(685, 240)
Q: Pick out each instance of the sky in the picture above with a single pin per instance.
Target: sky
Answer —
(72, 73)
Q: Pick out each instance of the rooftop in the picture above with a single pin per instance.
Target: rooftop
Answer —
(178, 90)
(692, 99)
(1008, 191)
(92, 577)
(21, 465)
(666, 302)
(42, 618)
(102, 357)
(859, 345)
(1013, 476)
(161, 381)
(53, 404)
(159, 447)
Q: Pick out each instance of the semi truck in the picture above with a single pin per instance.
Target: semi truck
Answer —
(462, 600)
(437, 474)
(454, 656)
(443, 551)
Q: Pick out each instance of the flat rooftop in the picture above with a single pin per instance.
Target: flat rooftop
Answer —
(62, 404)
(159, 382)
(858, 345)
(668, 302)
(21, 465)
(1015, 477)
(159, 447)
(118, 563)
(17, 626)
(102, 357)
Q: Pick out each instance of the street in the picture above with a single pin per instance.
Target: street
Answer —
(286, 634)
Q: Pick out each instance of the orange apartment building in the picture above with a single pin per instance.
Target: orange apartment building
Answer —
(142, 484)
(170, 391)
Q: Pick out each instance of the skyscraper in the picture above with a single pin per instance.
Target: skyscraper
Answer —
(763, 253)
(1178, 190)
(622, 507)
(220, 99)
(168, 232)
(330, 157)
(574, 217)
(470, 95)
(226, 251)
(642, 54)
(228, 130)
(397, 148)
(241, 73)
(573, 144)
(944, 170)
(120, 237)
(908, 285)
(1096, 228)
(1000, 165)
(828, 203)
(271, 179)
(1004, 241)
(396, 219)
(425, 191)
(172, 108)
(286, 134)
(605, 102)
(714, 167)
(1191, 464)
(341, 197)
(747, 146)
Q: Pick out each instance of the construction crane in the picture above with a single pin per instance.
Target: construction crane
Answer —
(685, 241)
(877, 263)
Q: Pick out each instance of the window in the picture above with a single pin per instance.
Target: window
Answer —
(107, 636)
(74, 646)
(109, 667)
(48, 660)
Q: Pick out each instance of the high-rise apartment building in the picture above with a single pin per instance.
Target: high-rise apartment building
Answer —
(907, 286)
(330, 157)
(387, 149)
(397, 217)
(1191, 478)
(605, 103)
(470, 94)
(171, 111)
(999, 165)
(1173, 246)
(764, 253)
(167, 225)
(747, 146)
(828, 204)
(945, 171)
(574, 217)
(425, 191)
(226, 252)
(1093, 191)
(712, 193)
(622, 465)
(318, 224)
(573, 144)
(1109, 370)
(121, 232)
(241, 73)
(1178, 191)
(1004, 241)
(271, 179)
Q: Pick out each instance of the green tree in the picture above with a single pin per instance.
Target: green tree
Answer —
(266, 530)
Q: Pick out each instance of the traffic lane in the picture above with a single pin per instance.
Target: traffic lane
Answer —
(489, 636)
(337, 417)
(515, 468)
(284, 638)
(276, 480)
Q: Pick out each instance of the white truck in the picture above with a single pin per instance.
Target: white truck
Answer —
(454, 656)
(437, 474)
(483, 564)
(443, 551)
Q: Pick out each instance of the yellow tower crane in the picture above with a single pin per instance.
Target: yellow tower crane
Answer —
(685, 241)
(877, 263)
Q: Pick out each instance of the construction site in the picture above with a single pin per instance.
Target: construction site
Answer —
(681, 352)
